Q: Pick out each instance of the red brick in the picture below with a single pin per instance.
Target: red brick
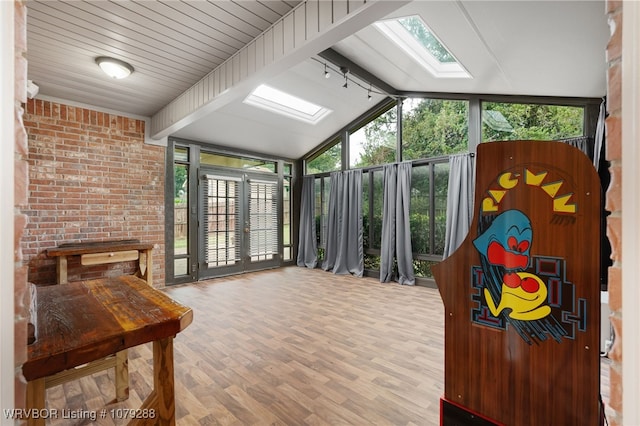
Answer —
(88, 181)
(20, 19)
(615, 288)
(614, 47)
(614, 138)
(613, 5)
(20, 82)
(614, 191)
(614, 88)
(615, 387)
(616, 350)
(614, 232)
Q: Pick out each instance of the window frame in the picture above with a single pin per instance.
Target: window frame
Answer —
(591, 110)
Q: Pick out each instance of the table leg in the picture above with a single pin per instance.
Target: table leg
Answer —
(163, 380)
(35, 400)
(61, 269)
(149, 261)
(162, 397)
(122, 375)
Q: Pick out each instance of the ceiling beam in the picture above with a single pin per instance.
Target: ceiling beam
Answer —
(311, 27)
(341, 61)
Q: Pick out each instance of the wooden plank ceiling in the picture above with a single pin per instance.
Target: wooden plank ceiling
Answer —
(171, 44)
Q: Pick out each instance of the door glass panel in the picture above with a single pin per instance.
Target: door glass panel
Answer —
(180, 267)
(221, 222)
(180, 210)
(286, 214)
(263, 220)
(181, 219)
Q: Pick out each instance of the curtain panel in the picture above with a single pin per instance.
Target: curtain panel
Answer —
(459, 201)
(307, 245)
(344, 253)
(396, 224)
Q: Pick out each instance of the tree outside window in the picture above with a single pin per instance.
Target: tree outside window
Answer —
(512, 121)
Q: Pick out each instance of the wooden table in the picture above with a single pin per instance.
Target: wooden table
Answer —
(103, 252)
(85, 321)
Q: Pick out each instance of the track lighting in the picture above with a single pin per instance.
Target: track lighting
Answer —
(345, 73)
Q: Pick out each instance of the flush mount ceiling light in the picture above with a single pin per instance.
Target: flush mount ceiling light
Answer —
(114, 68)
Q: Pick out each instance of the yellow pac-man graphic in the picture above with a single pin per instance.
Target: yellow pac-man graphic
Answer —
(534, 179)
(560, 204)
(509, 180)
(552, 188)
(525, 299)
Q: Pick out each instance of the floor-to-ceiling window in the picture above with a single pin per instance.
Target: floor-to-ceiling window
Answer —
(426, 131)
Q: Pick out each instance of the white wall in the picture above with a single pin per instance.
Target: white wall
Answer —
(630, 213)
(7, 147)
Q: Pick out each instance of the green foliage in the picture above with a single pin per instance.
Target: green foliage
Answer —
(419, 224)
(416, 28)
(328, 161)
(179, 178)
(371, 262)
(534, 121)
(436, 127)
(379, 146)
(422, 268)
(433, 127)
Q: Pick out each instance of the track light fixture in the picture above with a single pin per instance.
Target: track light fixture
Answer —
(345, 71)
(358, 82)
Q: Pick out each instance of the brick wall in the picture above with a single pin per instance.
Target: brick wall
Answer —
(91, 178)
(614, 204)
(22, 295)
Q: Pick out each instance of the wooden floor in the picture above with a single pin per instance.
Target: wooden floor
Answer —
(291, 346)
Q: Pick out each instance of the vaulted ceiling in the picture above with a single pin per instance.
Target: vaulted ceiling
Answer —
(196, 61)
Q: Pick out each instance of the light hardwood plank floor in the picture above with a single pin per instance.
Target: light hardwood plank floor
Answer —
(290, 346)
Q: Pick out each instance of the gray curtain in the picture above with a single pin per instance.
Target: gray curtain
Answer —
(396, 226)
(583, 143)
(459, 201)
(344, 252)
(307, 246)
(600, 133)
(388, 242)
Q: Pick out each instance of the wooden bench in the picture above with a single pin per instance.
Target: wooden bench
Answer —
(103, 252)
(85, 321)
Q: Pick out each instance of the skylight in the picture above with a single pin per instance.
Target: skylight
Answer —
(274, 100)
(413, 36)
